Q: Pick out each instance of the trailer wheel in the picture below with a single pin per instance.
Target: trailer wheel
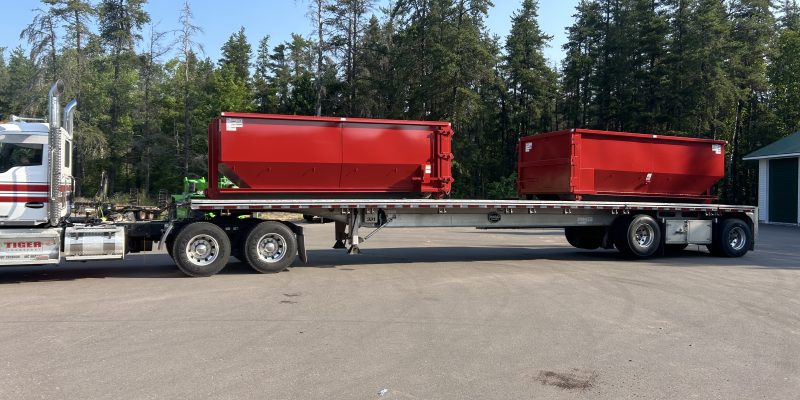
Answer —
(270, 247)
(639, 236)
(585, 237)
(201, 249)
(732, 238)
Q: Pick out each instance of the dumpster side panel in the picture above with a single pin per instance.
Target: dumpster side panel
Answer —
(271, 155)
(623, 164)
(276, 154)
(385, 157)
(545, 164)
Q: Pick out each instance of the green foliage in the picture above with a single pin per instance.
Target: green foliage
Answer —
(505, 188)
(236, 55)
(703, 68)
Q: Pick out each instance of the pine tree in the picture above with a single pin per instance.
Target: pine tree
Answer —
(579, 67)
(348, 21)
(4, 95)
(373, 72)
(41, 35)
(150, 76)
(188, 46)
(264, 98)
(531, 81)
(24, 99)
(281, 78)
(236, 54)
(784, 75)
(120, 23)
(76, 16)
(752, 29)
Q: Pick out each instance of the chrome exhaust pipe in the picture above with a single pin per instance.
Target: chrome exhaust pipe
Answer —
(52, 104)
(69, 116)
(54, 156)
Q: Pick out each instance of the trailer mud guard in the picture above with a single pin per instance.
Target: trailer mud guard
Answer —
(301, 240)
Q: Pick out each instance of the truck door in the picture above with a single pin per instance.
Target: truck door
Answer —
(23, 180)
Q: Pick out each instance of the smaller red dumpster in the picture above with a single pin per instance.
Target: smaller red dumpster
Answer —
(591, 164)
(268, 155)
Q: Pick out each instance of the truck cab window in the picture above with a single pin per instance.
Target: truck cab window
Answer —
(19, 155)
(67, 152)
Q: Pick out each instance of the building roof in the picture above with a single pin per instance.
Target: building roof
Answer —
(786, 147)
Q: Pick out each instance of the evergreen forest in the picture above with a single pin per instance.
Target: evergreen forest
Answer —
(724, 69)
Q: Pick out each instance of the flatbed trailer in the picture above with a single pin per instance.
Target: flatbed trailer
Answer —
(217, 229)
(38, 224)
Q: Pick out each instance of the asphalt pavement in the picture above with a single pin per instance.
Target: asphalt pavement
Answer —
(422, 314)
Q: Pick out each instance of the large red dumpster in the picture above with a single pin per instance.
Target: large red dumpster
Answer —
(266, 154)
(591, 164)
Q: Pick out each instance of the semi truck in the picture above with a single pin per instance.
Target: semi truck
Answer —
(359, 177)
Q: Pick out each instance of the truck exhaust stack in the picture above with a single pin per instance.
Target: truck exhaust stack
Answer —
(54, 142)
(69, 116)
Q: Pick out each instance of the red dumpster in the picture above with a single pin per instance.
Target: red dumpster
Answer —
(590, 164)
(269, 155)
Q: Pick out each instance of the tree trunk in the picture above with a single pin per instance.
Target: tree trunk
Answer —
(320, 44)
(733, 182)
(187, 133)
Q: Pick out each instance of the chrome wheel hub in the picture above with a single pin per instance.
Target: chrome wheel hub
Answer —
(737, 238)
(644, 235)
(202, 250)
(271, 247)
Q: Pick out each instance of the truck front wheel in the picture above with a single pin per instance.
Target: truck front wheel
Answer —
(201, 249)
(270, 247)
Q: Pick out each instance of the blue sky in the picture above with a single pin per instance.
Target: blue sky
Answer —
(278, 19)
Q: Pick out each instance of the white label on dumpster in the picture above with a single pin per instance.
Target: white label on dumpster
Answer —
(716, 148)
(528, 147)
(231, 124)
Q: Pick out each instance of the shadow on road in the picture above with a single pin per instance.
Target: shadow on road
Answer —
(135, 266)
(692, 257)
(161, 266)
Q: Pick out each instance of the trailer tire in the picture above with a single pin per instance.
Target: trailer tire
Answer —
(585, 237)
(638, 237)
(732, 238)
(270, 247)
(201, 249)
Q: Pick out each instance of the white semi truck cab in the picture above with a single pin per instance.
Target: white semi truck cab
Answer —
(36, 192)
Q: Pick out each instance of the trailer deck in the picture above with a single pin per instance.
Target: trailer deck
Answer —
(637, 228)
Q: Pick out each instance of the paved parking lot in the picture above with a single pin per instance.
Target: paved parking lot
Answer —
(422, 314)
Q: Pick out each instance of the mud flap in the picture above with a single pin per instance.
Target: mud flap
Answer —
(301, 240)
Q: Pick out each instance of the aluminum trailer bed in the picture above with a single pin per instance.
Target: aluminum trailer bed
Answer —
(638, 229)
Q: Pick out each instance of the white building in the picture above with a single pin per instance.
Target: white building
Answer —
(779, 180)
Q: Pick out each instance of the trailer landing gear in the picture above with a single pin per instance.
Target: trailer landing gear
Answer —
(341, 234)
